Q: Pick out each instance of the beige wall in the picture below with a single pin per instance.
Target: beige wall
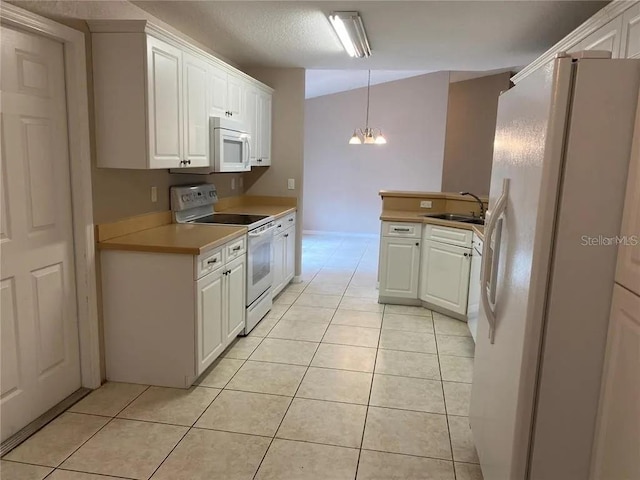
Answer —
(342, 181)
(471, 125)
(287, 142)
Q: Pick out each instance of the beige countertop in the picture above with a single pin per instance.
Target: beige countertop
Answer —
(273, 210)
(418, 217)
(479, 230)
(175, 238)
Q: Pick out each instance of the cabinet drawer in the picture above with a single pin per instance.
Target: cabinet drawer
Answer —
(235, 249)
(208, 262)
(288, 221)
(452, 236)
(401, 229)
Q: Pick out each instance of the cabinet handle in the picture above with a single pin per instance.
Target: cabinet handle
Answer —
(188, 161)
(286, 235)
(280, 226)
(259, 160)
(215, 260)
(400, 229)
(235, 249)
(291, 219)
(417, 244)
(467, 255)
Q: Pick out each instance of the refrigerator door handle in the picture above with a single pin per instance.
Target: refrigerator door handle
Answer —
(489, 274)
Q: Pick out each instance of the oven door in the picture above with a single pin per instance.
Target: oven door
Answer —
(259, 273)
(231, 150)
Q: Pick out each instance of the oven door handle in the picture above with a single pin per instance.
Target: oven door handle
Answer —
(263, 233)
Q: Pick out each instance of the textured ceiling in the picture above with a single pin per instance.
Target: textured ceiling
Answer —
(417, 35)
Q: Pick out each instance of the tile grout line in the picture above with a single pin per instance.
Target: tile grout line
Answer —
(444, 400)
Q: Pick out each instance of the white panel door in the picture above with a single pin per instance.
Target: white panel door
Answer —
(445, 275)
(264, 105)
(217, 91)
(210, 319)
(279, 258)
(236, 286)
(400, 266)
(39, 329)
(253, 120)
(617, 440)
(196, 113)
(235, 97)
(164, 92)
(290, 254)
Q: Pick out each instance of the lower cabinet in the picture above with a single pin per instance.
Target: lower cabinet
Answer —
(399, 267)
(445, 275)
(284, 253)
(168, 316)
(221, 310)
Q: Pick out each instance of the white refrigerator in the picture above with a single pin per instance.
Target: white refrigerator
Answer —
(562, 147)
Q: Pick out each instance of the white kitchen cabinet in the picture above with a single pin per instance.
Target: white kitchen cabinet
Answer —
(168, 316)
(235, 296)
(473, 300)
(617, 437)
(210, 319)
(154, 94)
(259, 118)
(284, 253)
(630, 41)
(444, 274)
(196, 116)
(165, 107)
(607, 38)
(399, 267)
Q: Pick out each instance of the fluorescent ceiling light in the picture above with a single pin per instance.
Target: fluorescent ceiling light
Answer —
(350, 31)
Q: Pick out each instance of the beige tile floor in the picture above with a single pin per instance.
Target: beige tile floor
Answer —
(329, 386)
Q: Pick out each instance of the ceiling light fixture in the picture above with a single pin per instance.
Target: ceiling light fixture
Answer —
(350, 31)
(368, 135)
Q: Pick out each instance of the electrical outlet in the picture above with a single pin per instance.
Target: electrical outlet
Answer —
(233, 183)
(154, 194)
(291, 184)
(426, 204)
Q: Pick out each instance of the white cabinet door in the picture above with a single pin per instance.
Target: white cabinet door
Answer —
(235, 97)
(264, 109)
(445, 275)
(630, 41)
(279, 258)
(210, 320)
(290, 254)
(235, 295)
(253, 122)
(164, 90)
(617, 438)
(196, 114)
(606, 38)
(217, 91)
(399, 268)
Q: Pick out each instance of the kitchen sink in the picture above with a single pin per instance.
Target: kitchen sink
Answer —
(456, 217)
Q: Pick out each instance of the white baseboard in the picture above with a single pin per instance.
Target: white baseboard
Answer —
(342, 234)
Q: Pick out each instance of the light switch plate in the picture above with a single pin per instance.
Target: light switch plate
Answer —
(426, 204)
(291, 184)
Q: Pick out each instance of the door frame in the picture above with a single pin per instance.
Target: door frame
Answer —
(80, 174)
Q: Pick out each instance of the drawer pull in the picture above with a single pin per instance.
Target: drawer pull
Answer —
(286, 235)
(291, 219)
(235, 249)
(395, 229)
(215, 260)
(280, 225)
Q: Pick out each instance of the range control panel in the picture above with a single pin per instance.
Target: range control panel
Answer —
(191, 196)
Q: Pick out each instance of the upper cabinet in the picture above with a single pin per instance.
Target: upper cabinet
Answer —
(615, 28)
(259, 121)
(154, 95)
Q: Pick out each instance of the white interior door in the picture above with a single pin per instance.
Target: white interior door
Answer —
(39, 324)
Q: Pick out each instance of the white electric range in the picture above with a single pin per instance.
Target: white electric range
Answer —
(195, 204)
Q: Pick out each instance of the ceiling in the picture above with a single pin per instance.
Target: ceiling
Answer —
(404, 35)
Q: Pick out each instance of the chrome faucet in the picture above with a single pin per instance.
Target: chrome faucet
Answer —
(477, 200)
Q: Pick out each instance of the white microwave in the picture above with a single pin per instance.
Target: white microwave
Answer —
(230, 149)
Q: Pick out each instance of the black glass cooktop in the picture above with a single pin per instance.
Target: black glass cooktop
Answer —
(231, 218)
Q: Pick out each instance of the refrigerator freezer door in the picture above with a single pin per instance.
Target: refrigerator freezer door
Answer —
(528, 149)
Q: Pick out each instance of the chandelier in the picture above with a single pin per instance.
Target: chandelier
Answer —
(367, 135)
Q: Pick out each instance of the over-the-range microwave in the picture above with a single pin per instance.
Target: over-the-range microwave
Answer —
(229, 148)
